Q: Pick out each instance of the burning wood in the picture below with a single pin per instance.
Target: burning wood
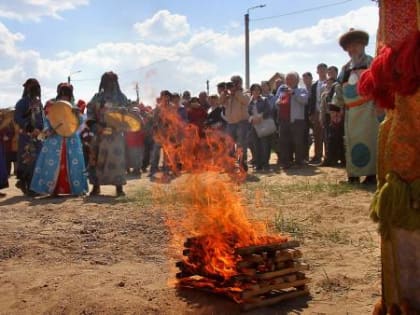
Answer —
(263, 274)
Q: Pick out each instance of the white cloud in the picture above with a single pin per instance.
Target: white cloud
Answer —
(186, 64)
(8, 41)
(163, 27)
(34, 10)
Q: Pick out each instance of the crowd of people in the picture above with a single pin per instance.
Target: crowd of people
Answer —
(284, 117)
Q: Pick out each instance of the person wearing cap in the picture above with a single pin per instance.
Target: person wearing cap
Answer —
(60, 166)
(106, 165)
(29, 117)
(236, 113)
(361, 121)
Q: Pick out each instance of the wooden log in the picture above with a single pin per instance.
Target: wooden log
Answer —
(250, 260)
(243, 251)
(290, 278)
(274, 300)
(268, 275)
(265, 289)
(287, 255)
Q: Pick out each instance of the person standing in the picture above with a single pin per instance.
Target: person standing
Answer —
(290, 113)
(259, 109)
(60, 166)
(314, 104)
(360, 118)
(236, 113)
(29, 117)
(107, 163)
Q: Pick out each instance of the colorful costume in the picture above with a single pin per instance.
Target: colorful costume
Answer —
(107, 162)
(394, 81)
(60, 167)
(360, 121)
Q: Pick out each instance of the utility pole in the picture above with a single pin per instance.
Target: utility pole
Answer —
(70, 74)
(247, 43)
(247, 51)
(137, 92)
(208, 88)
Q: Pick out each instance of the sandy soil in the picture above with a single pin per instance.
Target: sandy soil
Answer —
(103, 255)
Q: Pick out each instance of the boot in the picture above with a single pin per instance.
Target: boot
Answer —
(96, 190)
(119, 190)
(370, 180)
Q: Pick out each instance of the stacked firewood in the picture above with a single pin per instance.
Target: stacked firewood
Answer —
(266, 275)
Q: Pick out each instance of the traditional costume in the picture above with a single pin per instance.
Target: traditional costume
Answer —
(107, 163)
(361, 121)
(60, 167)
(29, 117)
(394, 81)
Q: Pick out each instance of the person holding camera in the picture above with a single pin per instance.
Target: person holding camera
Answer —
(236, 114)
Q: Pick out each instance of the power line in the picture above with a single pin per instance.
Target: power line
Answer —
(301, 11)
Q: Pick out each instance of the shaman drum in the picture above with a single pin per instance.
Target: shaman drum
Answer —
(122, 121)
(63, 119)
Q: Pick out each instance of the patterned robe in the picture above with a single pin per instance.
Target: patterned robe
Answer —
(60, 167)
(361, 122)
(107, 167)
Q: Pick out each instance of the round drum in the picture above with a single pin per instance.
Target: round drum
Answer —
(63, 119)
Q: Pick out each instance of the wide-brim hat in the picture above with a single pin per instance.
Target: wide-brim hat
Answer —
(353, 36)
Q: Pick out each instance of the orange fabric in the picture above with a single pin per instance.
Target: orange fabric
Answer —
(398, 18)
(402, 145)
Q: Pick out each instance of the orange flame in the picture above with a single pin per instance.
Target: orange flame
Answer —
(217, 218)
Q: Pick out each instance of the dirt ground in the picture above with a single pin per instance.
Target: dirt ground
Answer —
(106, 255)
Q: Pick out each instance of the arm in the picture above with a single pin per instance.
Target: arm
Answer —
(241, 98)
(300, 96)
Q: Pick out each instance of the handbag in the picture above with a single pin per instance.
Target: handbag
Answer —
(265, 128)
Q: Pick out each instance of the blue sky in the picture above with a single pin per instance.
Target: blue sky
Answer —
(173, 45)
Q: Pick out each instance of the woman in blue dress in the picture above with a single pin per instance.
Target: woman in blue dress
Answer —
(60, 167)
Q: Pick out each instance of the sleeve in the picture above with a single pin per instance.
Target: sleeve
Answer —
(312, 100)
(338, 99)
(242, 98)
(21, 115)
(301, 96)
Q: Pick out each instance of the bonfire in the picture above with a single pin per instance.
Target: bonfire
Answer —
(224, 250)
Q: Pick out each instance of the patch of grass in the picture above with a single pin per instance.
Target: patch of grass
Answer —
(337, 236)
(290, 226)
(333, 189)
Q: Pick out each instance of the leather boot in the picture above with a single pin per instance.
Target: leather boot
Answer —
(119, 190)
(96, 190)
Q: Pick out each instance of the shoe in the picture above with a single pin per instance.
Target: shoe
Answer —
(369, 180)
(353, 180)
(325, 164)
(22, 186)
(315, 160)
(32, 194)
(96, 190)
(120, 191)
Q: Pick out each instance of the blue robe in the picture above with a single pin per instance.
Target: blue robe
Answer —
(47, 166)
